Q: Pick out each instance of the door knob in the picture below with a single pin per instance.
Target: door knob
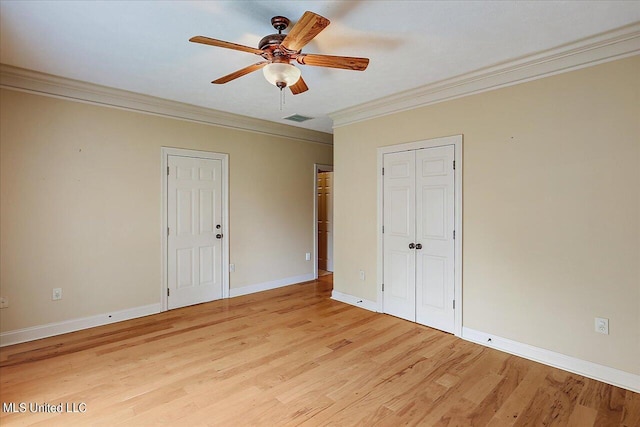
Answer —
(218, 236)
(411, 245)
(418, 245)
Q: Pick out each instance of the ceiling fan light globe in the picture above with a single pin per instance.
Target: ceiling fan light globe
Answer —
(281, 75)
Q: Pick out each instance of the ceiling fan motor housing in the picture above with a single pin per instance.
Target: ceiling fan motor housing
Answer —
(271, 42)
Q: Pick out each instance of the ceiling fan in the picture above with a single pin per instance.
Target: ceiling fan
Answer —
(279, 50)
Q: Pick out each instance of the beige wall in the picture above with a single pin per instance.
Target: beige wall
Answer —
(551, 208)
(80, 205)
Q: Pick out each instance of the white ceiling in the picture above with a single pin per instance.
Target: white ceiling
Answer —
(142, 46)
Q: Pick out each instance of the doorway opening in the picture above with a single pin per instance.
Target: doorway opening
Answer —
(323, 220)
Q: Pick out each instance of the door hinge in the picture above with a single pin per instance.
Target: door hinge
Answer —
(167, 170)
(383, 287)
(167, 231)
(168, 292)
(454, 304)
(454, 165)
(454, 234)
(383, 229)
(382, 171)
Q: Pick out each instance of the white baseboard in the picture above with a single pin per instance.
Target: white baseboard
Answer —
(598, 372)
(273, 284)
(358, 302)
(58, 328)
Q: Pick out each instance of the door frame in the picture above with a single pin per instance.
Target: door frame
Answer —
(224, 158)
(456, 141)
(317, 167)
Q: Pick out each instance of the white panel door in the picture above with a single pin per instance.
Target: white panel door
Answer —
(418, 241)
(399, 233)
(194, 214)
(435, 248)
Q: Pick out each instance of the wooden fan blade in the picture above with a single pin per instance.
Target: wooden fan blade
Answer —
(240, 73)
(299, 87)
(309, 25)
(345, 62)
(222, 43)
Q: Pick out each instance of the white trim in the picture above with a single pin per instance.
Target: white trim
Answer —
(588, 369)
(273, 284)
(316, 167)
(165, 153)
(456, 141)
(604, 47)
(45, 331)
(59, 87)
(358, 302)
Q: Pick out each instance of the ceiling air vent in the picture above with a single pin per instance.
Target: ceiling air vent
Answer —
(297, 118)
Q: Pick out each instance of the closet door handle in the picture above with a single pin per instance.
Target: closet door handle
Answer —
(419, 246)
(412, 245)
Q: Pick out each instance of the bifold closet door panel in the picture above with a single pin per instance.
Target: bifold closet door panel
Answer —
(399, 231)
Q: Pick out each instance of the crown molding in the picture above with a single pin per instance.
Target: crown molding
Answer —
(59, 87)
(616, 44)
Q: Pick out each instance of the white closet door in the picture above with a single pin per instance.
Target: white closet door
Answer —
(194, 262)
(435, 218)
(399, 231)
(419, 250)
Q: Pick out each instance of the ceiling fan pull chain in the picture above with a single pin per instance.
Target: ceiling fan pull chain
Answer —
(281, 98)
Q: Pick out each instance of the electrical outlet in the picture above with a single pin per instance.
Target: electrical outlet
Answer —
(602, 325)
(4, 302)
(56, 294)
(361, 274)
(232, 268)
(307, 256)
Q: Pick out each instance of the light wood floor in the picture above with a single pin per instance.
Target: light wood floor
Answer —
(293, 356)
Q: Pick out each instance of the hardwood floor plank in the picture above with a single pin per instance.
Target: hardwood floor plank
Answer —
(611, 407)
(631, 410)
(558, 396)
(511, 373)
(581, 416)
(293, 356)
